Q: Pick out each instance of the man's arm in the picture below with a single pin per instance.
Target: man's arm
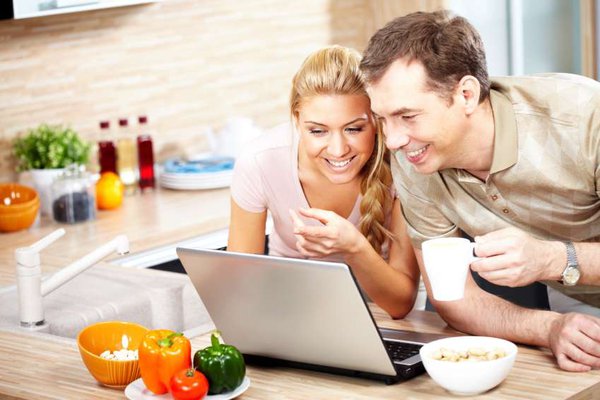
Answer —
(573, 338)
(511, 257)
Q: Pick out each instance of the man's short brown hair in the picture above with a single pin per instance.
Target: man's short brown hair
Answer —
(448, 46)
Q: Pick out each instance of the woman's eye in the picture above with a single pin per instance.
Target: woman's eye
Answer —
(354, 129)
(316, 132)
(408, 117)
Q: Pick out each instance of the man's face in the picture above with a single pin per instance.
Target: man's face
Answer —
(416, 120)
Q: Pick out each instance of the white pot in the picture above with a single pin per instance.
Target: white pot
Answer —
(42, 179)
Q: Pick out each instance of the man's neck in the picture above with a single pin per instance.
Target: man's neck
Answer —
(481, 136)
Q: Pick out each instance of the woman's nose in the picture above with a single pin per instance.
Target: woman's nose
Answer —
(337, 145)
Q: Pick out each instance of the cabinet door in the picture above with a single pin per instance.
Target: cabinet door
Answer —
(19, 9)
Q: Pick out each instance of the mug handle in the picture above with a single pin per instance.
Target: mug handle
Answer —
(472, 253)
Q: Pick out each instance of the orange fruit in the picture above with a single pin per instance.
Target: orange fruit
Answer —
(109, 191)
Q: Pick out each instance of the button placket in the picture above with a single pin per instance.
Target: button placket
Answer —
(497, 201)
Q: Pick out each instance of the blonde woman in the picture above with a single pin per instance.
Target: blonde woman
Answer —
(326, 181)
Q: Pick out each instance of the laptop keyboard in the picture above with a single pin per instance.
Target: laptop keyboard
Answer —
(399, 351)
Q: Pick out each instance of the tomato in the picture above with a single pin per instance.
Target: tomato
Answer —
(189, 384)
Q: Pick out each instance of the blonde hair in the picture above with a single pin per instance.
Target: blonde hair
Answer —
(335, 70)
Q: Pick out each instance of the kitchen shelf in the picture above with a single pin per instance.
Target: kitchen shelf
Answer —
(99, 5)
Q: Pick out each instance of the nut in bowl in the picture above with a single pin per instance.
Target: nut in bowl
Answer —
(116, 368)
(468, 365)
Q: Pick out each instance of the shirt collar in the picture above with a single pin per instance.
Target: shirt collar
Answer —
(505, 133)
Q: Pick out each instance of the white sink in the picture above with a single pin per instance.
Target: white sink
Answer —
(123, 289)
(155, 299)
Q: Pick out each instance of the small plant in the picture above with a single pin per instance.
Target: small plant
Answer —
(50, 146)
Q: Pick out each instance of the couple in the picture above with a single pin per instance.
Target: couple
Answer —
(513, 162)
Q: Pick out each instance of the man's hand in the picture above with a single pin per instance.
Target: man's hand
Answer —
(575, 342)
(511, 257)
(337, 235)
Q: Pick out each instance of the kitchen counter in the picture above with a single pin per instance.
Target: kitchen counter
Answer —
(48, 367)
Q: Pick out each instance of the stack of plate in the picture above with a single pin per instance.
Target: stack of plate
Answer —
(210, 173)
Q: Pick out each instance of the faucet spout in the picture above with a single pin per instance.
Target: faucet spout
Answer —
(30, 287)
(119, 244)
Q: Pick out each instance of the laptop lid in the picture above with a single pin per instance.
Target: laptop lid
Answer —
(302, 311)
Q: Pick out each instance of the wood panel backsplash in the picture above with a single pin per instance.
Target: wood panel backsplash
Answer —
(187, 64)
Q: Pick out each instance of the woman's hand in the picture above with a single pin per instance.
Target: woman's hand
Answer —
(336, 236)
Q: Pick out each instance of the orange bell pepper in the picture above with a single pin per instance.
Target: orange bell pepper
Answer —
(161, 354)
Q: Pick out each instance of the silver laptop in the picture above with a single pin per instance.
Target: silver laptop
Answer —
(299, 313)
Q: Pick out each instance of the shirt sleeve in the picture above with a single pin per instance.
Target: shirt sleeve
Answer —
(247, 185)
(594, 139)
(424, 220)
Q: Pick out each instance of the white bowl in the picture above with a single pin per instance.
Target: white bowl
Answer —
(468, 377)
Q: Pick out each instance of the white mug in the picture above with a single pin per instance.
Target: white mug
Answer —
(447, 263)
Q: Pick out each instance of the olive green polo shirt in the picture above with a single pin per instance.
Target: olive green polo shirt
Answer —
(544, 177)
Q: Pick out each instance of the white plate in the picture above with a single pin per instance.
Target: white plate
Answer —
(136, 390)
(195, 186)
(178, 175)
(188, 182)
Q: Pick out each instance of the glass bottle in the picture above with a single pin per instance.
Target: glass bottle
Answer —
(145, 155)
(127, 161)
(107, 153)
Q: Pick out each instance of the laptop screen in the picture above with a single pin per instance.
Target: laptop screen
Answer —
(302, 311)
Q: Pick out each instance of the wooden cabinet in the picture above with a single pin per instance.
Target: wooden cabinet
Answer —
(20, 9)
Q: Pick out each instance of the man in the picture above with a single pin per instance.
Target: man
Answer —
(514, 162)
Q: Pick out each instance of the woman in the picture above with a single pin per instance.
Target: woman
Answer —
(324, 181)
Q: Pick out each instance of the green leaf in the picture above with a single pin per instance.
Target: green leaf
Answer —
(50, 146)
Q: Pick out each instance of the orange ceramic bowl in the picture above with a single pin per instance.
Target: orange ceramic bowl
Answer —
(19, 206)
(94, 339)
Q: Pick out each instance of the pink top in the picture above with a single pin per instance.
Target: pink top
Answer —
(265, 177)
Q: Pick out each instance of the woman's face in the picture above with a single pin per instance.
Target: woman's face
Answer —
(337, 136)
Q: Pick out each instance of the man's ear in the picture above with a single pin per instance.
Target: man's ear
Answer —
(467, 91)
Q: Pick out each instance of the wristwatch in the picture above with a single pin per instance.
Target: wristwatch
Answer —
(571, 273)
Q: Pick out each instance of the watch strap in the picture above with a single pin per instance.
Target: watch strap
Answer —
(571, 268)
(571, 254)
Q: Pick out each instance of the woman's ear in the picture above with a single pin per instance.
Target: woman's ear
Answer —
(468, 92)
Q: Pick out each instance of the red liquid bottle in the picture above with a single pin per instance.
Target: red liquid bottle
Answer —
(107, 153)
(145, 156)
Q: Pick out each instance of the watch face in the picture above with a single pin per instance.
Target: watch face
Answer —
(570, 275)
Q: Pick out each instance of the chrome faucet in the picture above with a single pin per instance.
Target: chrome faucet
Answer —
(32, 289)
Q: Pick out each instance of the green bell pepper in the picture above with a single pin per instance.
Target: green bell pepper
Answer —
(222, 364)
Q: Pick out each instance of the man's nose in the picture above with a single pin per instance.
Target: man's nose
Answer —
(396, 137)
(337, 145)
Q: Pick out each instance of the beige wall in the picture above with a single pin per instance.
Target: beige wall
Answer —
(187, 64)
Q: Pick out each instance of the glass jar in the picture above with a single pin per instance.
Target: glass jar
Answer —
(73, 196)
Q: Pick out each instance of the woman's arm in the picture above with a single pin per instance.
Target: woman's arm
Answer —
(246, 230)
(392, 285)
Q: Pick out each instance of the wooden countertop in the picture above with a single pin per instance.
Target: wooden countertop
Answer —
(48, 367)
